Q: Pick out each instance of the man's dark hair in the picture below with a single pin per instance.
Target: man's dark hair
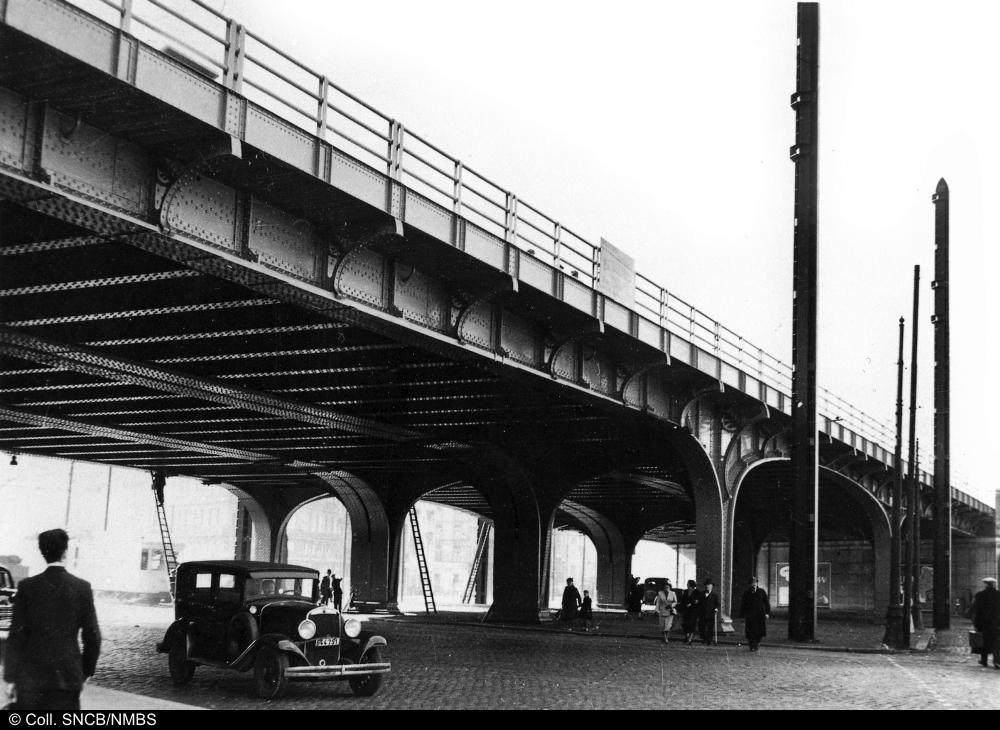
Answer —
(53, 544)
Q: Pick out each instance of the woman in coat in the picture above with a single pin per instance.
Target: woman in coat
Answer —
(665, 603)
(570, 602)
(690, 610)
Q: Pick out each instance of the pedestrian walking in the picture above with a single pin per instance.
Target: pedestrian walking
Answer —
(665, 603)
(633, 603)
(709, 614)
(570, 602)
(338, 591)
(986, 619)
(325, 592)
(755, 609)
(587, 612)
(51, 610)
(690, 603)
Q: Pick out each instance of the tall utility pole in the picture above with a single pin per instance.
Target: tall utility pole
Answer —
(942, 429)
(805, 466)
(897, 631)
(913, 564)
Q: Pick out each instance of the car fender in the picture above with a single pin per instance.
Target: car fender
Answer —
(177, 629)
(279, 641)
(367, 641)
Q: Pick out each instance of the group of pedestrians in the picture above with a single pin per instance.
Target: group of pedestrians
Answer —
(330, 590)
(576, 607)
(699, 611)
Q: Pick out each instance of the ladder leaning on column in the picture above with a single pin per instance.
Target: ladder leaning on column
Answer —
(159, 480)
(425, 576)
(484, 538)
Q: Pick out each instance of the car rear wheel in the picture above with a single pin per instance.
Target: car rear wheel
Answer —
(181, 670)
(269, 673)
(241, 633)
(365, 685)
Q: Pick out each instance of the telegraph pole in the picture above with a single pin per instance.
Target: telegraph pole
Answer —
(918, 618)
(805, 466)
(942, 436)
(913, 564)
(897, 631)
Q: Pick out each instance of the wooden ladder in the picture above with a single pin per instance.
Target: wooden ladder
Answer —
(168, 545)
(484, 540)
(425, 576)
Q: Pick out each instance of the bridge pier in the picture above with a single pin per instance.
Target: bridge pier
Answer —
(713, 541)
(613, 559)
(253, 528)
(372, 546)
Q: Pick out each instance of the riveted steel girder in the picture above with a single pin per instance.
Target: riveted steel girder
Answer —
(136, 437)
(120, 370)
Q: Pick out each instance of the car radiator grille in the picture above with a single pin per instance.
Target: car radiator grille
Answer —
(327, 624)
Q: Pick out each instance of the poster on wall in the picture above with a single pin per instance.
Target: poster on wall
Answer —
(823, 584)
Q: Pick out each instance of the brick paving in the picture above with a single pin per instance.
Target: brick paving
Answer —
(446, 666)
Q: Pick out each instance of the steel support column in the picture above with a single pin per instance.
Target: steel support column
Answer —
(913, 565)
(897, 633)
(805, 464)
(942, 385)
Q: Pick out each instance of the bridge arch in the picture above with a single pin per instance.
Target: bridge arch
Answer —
(462, 503)
(760, 512)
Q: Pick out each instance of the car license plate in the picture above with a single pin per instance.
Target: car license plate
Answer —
(328, 641)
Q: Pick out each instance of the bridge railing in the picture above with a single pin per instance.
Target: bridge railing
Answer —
(198, 35)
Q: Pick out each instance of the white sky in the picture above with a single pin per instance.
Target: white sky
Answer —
(665, 127)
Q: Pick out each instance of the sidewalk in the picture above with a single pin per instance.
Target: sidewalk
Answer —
(101, 698)
(843, 633)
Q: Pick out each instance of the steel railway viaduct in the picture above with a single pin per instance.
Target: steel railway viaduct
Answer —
(215, 262)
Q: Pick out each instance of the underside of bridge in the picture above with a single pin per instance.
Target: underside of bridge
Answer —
(114, 354)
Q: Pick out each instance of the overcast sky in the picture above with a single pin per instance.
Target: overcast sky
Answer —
(665, 127)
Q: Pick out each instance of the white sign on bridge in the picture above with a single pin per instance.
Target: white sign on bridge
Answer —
(616, 276)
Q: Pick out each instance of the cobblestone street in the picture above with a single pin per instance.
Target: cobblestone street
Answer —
(450, 667)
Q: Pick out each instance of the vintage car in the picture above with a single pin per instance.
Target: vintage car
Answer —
(650, 587)
(7, 591)
(244, 615)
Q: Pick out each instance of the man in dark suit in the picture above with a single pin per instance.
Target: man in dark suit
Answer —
(986, 619)
(338, 591)
(756, 609)
(43, 658)
(325, 592)
(709, 614)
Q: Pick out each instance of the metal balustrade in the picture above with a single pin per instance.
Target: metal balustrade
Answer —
(194, 33)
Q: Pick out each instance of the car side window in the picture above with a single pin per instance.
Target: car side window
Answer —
(202, 586)
(228, 592)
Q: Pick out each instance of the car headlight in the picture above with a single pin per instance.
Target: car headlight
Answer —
(307, 629)
(352, 627)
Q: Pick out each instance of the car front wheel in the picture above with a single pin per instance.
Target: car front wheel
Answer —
(365, 685)
(181, 670)
(269, 673)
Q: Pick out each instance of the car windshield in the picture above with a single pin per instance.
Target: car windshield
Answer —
(5, 580)
(265, 586)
